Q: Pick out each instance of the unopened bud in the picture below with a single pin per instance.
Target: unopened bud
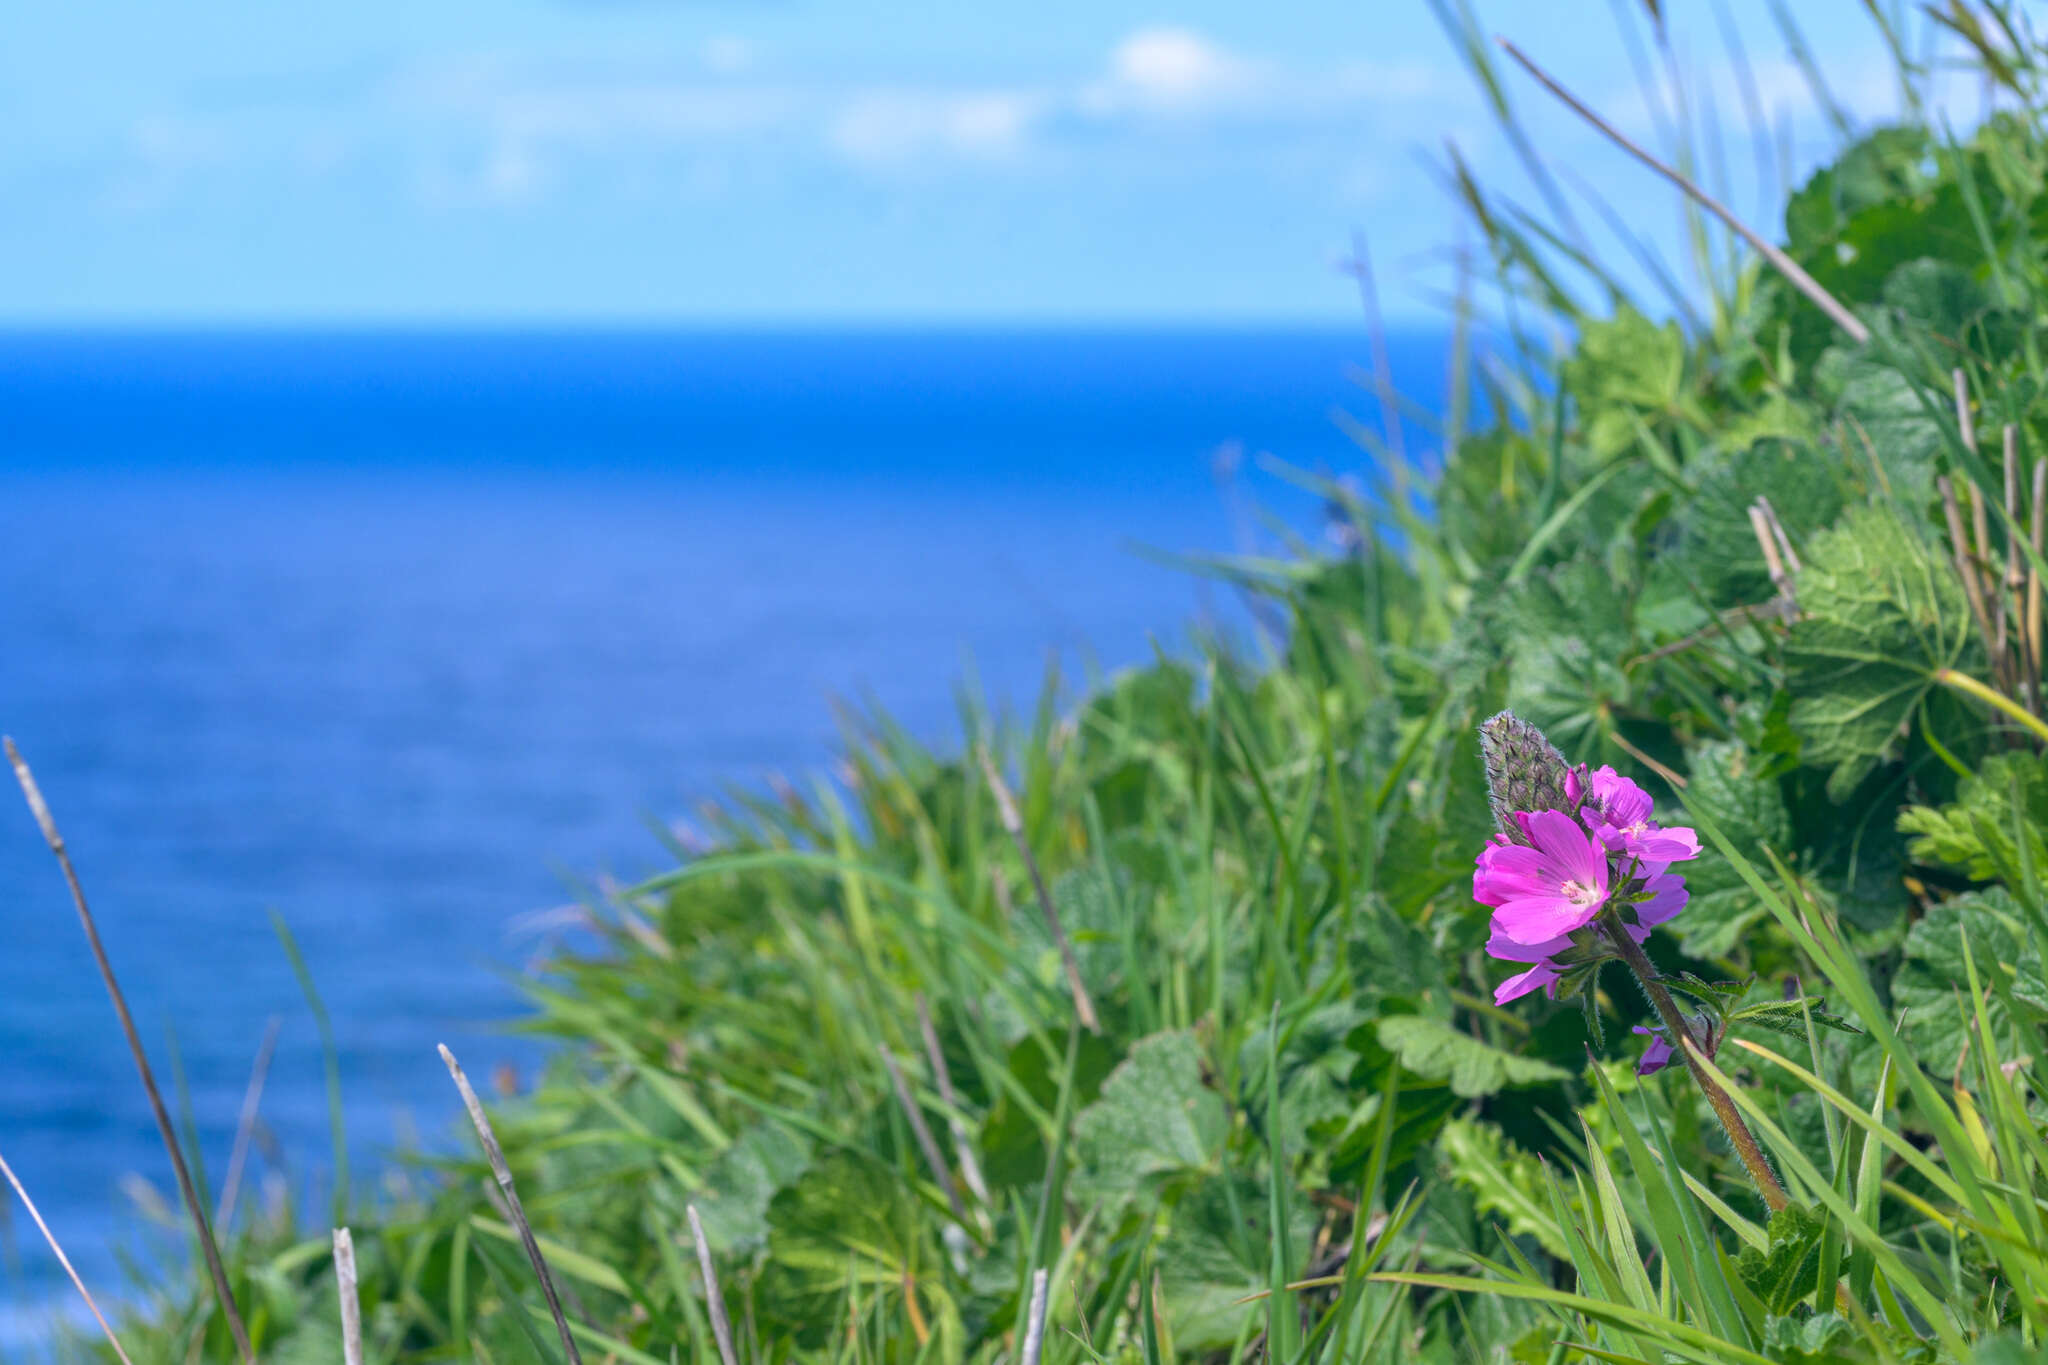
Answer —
(1524, 772)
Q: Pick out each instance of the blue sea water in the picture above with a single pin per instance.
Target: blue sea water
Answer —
(403, 635)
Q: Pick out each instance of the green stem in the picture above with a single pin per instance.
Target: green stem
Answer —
(1969, 686)
(1739, 1136)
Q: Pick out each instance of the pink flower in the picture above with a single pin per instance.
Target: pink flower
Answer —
(1544, 973)
(1658, 1054)
(1618, 811)
(1667, 897)
(1543, 891)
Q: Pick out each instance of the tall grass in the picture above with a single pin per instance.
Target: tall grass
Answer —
(1189, 976)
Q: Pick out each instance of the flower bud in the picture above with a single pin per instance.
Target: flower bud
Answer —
(1524, 772)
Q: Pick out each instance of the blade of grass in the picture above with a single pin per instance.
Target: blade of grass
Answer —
(495, 1155)
(207, 1246)
(714, 1298)
(56, 1249)
(350, 1297)
(1793, 272)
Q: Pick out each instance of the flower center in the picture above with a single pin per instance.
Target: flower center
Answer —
(1581, 893)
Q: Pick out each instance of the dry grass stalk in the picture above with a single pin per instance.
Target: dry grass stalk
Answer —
(1778, 533)
(1013, 824)
(963, 1147)
(351, 1300)
(495, 1155)
(36, 1216)
(2009, 589)
(1977, 551)
(1034, 1323)
(218, 1273)
(1665, 771)
(1760, 525)
(922, 1131)
(245, 1125)
(1783, 264)
(714, 1299)
(1960, 546)
(2034, 582)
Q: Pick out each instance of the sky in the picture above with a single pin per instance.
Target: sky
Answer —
(792, 161)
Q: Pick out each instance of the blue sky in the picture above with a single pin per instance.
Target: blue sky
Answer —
(722, 161)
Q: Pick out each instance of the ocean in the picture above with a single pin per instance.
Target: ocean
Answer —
(411, 636)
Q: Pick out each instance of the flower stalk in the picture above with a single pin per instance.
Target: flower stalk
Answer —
(1578, 875)
(1739, 1137)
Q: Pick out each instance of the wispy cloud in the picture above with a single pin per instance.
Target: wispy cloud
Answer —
(511, 127)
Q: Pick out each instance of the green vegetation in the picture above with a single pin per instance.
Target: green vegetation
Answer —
(1251, 1096)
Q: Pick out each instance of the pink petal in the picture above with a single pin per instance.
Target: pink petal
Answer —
(1667, 897)
(1505, 948)
(1538, 919)
(1520, 984)
(1623, 802)
(1567, 852)
(1675, 844)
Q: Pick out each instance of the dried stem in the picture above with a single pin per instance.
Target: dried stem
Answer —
(922, 1131)
(1780, 262)
(963, 1148)
(1034, 1323)
(2036, 529)
(351, 1299)
(1778, 533)
(76, 1283)
(1960, 546)
(496, 1156)
(714, 1298)
(1739, 1136)
(41, 810)
(1760, 525)
(245, 1125)
(2012, 567)
(1013, 824)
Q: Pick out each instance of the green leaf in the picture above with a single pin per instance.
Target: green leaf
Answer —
(1435, 1049)
(1625, 368)
(1502, 1179)
(1976, 831)
(849, 1219)
(1156, 1118)
(740, 1184)
(1215, 1253)
(1785, 1274)
(1882, 617)
(1729, 781)
(1789, 1016)
(1933, 984)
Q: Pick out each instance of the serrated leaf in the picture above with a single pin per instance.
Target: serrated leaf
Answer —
(1978, 831)
(1502, 1179)
(1155, 1118)
(1882, 617)
(1437, 1050)
(848, 1218)
(740, 1184)
(1787, 1272)
(1932, 984)
(1789, 1016)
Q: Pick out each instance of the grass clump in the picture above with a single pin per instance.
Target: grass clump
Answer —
(1164, 1029)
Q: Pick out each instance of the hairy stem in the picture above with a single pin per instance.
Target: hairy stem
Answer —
(1739, 1136)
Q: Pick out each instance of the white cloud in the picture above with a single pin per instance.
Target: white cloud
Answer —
(1173, 68)
(502, 127)
(902, 125)
(728, 54)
